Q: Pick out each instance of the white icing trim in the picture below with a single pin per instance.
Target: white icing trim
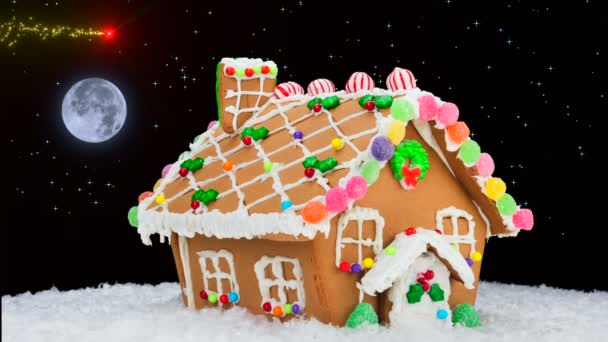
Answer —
(282, 284)
(359, 215)
(218, 275)
(455, 238)
(184, 254)
(388, 268)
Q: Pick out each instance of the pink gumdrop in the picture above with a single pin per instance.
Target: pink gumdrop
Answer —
(485, 165)
(166, 170)
(428, 107)
(336, 200)
(448, 114)
(523, 219)
(356, 188)
(212, 124)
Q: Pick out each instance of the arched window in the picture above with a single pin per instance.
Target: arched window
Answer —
(358, 228)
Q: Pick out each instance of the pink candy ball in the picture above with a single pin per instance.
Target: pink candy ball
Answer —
(485, 165)
(211, 124)
(448, 114)
(428, 107)
(336, 200)
(166, 170)
(356, 188)
(523, 219)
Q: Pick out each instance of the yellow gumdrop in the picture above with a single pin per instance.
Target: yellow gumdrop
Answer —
(337, 144)
(157, 184)
(368, 263)
(396, 132)
(495, 188)
(160, 199)
(476, 256)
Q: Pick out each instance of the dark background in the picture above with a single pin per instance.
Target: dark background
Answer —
(526, 77)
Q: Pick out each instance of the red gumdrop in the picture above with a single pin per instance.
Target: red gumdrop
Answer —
(183, 172)
(344, 266)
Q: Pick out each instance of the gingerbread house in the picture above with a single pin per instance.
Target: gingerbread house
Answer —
(364, 204)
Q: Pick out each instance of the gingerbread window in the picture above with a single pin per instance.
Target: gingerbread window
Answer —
(217, 268)
(359, 235)
(280, 282)
(458, 227)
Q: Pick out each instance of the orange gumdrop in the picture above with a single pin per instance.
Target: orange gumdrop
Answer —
(458, 132)
(314, 212)
(277, 311)
(228, 166)
(144, 195)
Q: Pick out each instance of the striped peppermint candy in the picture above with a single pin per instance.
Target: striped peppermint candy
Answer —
(288, 89)
(321, 86)
(359, 81)
(400, 79)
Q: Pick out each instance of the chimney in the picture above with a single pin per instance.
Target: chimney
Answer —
(243, 86)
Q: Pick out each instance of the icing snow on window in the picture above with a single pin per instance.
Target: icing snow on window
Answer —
(456, 238)
(359, 215)
(215, 273)
(277, 279)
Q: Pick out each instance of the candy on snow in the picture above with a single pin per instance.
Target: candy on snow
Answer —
(359, 81)
(428, 107)
(314, 212)
(370, 170)
(495, 188)
(382, 148)
(287, 89)
(448, 114)
(396, 132)
(442, 314)
(458, 132)
(485, 165)
(321, 86)
(469, 152)
(523, 219)
(144, 195)
(356, 188)
(336, 200)
(165, 170)
(400, 79)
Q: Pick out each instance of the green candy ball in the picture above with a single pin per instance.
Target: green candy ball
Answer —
(212, 298)
(506, 205)
(240, 72)
(267, 166)
(469, 152)
(370, 170)
(132, 216)
(390, 250)
(402, 110)
(465, 315)
(274, 70)
(288, 309)
(257, 69)
(363, 313)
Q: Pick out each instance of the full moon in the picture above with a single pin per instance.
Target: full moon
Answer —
(94, 110)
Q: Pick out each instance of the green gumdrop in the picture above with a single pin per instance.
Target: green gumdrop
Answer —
(240, 72)
(330, 102)
(506, 205)
(465, 315)
(469, 152)
(402, 110)
(363, 313)
(132, 216)
(383, 101)
(365, 99)
(370, 170)
(274, 70)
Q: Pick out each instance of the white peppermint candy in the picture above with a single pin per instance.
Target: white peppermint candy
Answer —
(359, 81)
(321, 86)
(400, 79)
(288, 89)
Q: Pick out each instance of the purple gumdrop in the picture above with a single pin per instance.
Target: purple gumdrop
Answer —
(469, 261)
(298, 135)
(382, 148)
(355, 268)
(295, 309)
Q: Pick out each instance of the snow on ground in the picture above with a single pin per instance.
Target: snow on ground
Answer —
(155, 313)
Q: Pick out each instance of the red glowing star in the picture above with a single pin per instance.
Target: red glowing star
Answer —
(108, 34)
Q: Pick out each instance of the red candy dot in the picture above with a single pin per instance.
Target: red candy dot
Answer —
(438, 231)
(247, 140)
(426, 287)
(265, 69)
(421, 279)
(204, 295)
(224, 299)
(183, 172)
(370, 105)
(344, 266)
(429, 274)
(267, 307)
(195, 204)
(410, 231)
(249, 72)
(309, 172)
(317, 107)
(230, 71)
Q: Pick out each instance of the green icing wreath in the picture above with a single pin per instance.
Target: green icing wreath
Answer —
(414, 152)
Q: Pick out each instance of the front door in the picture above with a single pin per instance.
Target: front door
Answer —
(421, 293)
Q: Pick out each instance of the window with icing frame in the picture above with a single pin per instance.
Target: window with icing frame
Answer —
(217, 269)
(457, 235)
(357, 239)
(280, 281)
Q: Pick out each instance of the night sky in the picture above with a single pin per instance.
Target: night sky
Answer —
(527, 79)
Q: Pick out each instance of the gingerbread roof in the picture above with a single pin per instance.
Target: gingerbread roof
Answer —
(253, 182)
